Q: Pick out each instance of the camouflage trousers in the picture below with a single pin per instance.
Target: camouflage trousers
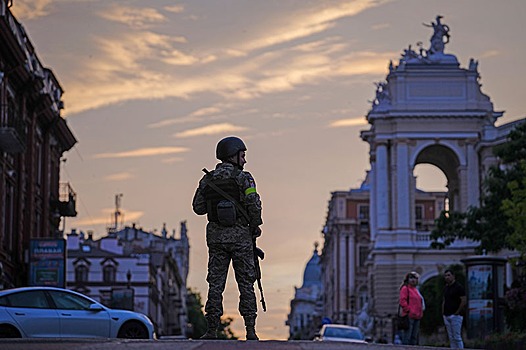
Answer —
(219, 257)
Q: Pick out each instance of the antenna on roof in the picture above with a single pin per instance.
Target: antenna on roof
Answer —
(116, 214)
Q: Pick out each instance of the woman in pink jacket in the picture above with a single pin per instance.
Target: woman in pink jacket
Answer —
(412, 303)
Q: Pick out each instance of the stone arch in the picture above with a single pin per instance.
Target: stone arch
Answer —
(449, 162)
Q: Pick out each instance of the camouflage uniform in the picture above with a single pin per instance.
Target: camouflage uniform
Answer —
(233, 243)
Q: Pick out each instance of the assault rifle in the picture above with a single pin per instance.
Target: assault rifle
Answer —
(258, 252)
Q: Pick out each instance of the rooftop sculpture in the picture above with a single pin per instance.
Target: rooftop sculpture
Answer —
(404, 87)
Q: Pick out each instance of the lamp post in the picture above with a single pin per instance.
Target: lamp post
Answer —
(353, 305)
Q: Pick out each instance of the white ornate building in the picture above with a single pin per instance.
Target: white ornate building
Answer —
(136, 270)
(429, 110)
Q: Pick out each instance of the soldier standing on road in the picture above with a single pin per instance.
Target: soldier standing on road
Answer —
(229, 236)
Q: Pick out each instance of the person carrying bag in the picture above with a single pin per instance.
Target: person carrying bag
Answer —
(411, 304)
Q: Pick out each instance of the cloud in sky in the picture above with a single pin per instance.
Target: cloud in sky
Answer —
(147, 59)
(195, 115)
(490, 53)
(212, 129)
(133, 16)
(119, 176)
(143, 152)
(172, 160)
(314, 21)
(107, 217)
(31, 9)
(348, 122)
(175, 8)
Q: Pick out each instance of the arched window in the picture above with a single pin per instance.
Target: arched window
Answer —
(108, 273)
(81, 274)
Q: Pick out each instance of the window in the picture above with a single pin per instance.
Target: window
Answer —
(363, 212)
(419, 212)
(70, 301)
(9, 218)
(81, 274)
(419, 215)
(35, 299)
(363, 253)
(108, 273)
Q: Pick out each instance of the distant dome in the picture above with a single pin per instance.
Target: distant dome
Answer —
(312, 274)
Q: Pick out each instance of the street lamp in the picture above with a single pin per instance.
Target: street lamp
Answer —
(353, 305)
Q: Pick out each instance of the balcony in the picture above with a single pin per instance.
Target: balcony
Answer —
(67, 201)
(12, 135)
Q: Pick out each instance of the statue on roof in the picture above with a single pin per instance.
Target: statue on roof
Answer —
(382, 93)
(440, 36)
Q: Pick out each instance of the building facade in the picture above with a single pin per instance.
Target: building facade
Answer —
(429, 110)
(136, 270)
(33, 138)
(345, 259)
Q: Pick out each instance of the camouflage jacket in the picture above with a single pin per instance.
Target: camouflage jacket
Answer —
(249, 199)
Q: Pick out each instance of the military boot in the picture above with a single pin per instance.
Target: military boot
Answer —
(250, 326)
(211, 331)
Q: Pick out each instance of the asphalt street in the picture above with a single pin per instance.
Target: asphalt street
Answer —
(118, 344)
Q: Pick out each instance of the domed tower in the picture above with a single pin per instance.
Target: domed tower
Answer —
(306, 307)
(312, 274)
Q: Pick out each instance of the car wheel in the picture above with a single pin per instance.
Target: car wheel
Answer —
(133, 330)
(7, 331)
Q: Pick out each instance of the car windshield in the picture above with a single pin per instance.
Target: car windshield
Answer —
(343, 333)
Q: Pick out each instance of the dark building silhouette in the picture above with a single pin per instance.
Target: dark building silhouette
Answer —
(33, 137)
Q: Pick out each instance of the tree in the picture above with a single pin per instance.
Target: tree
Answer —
(197, 319)
(499, 222)
(515, 209)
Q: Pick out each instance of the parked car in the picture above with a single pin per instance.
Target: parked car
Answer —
(38, 312)
(338, 332)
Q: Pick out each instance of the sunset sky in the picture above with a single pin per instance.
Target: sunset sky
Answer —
(152, 85)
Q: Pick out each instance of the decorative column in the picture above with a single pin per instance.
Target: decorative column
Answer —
(382, 187)
(473, 185)
(403, 189)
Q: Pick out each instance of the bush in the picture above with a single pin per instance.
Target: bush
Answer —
(506, 341)
(515, 310)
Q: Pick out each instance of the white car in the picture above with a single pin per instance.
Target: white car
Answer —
(47, 312)
(338, 332)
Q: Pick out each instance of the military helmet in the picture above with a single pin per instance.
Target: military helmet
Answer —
(228, 147)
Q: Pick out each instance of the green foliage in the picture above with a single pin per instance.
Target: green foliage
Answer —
(432, 292)
(224, 331)
(506, 341)
(197, 319)
(514, 208)
(515, 308)
(500, 220)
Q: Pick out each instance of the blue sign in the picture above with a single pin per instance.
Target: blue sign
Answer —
(47, 262)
